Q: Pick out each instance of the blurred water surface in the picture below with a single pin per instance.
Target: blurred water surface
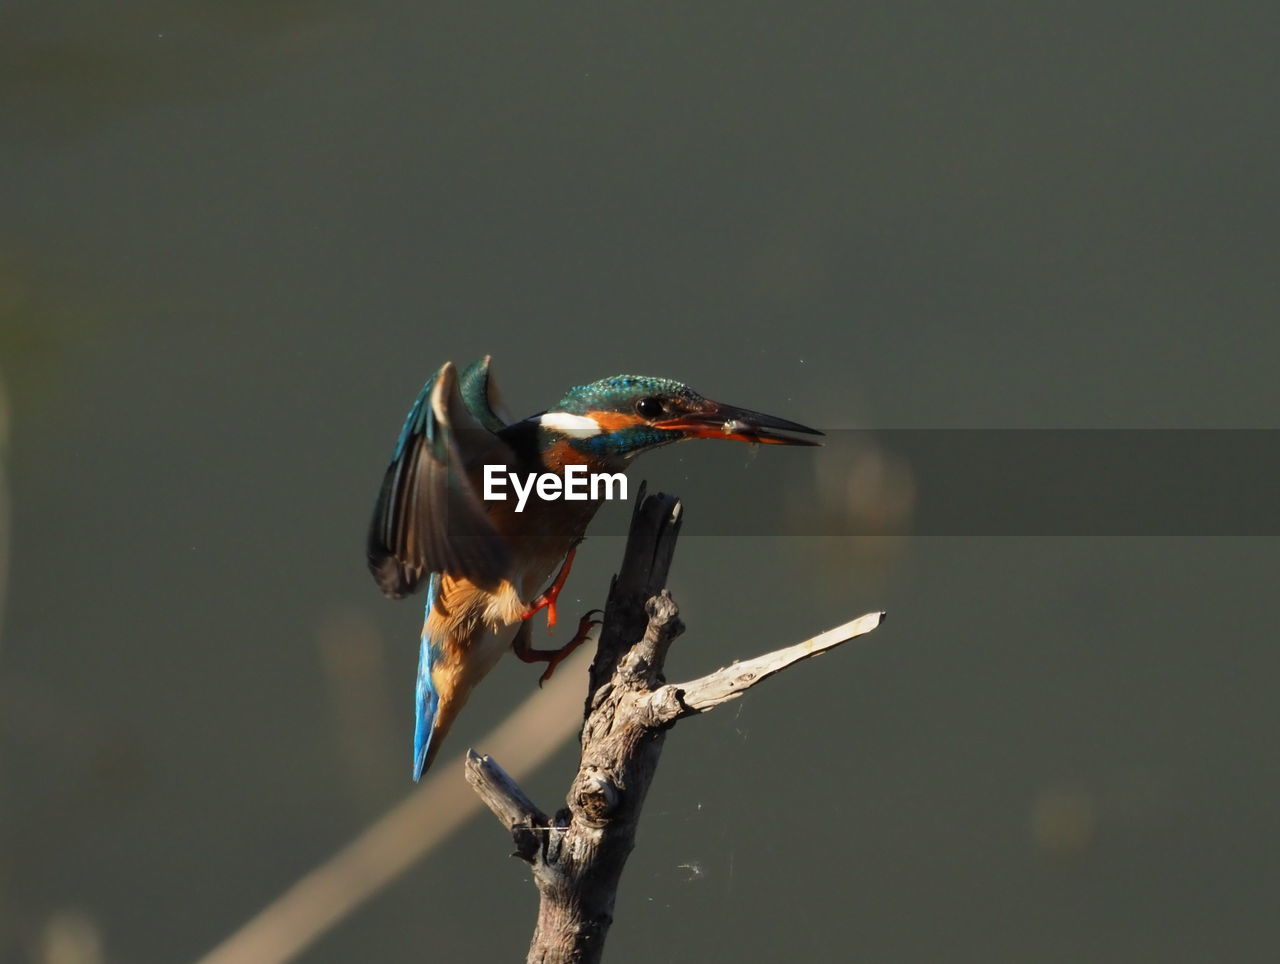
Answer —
(236, 238)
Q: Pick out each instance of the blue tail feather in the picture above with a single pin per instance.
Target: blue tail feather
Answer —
(426, 699)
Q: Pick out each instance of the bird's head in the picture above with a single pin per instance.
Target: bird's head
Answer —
(621, 416)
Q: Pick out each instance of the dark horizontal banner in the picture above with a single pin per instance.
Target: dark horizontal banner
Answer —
(1067, 482)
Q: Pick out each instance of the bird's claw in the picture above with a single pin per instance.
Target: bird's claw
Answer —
(556, 657)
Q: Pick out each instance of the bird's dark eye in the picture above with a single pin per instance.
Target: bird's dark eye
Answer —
(649, 407)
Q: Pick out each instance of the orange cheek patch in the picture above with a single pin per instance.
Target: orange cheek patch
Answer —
(612, 421)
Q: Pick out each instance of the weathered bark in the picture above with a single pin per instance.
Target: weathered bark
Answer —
(578, 855)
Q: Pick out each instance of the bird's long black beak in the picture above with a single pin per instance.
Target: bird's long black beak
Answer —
(715, 420)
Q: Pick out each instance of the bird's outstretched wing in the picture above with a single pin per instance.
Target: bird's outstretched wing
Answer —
(428, 517)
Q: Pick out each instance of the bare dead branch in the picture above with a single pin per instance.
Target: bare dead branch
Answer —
(509, 804)
(578, 855)
(676, 700)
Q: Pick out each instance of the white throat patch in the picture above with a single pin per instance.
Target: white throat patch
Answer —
(578, 426)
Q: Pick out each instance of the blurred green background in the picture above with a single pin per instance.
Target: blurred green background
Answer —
(235, 239)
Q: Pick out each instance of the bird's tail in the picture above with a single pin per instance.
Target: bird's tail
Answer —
(449, 667)
(427, 718)
(444, 684)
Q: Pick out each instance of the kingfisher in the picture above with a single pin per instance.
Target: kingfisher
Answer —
(485, 564)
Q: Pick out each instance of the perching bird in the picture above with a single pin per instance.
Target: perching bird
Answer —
(484, 563)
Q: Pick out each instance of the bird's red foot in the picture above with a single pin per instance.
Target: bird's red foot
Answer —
(548, 599)
(553, 657)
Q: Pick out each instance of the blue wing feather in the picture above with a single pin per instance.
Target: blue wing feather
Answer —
(419, 421)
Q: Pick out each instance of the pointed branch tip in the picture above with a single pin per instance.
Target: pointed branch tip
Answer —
(730, 682)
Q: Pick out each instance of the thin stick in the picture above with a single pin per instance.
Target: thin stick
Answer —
(400, 838)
